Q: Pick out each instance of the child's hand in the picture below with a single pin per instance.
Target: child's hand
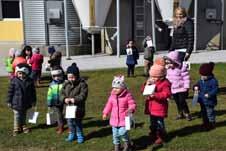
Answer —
(9, 105)
(129, 111)
(104, 117)
(196, 88)
(67, 100)
(72, 100)
(206, 95)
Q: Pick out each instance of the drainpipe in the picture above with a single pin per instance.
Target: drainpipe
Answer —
(118, 27)
(195, 25)
(153, 22)
(66, 30)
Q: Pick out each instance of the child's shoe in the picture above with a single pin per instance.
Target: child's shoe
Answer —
(179, 117)
(80, 138)
(117, 147)
(126, 146)
(26, 129)
(60, 130)
(71, 137)
(160, 137)
(16, 131)
(188, 117)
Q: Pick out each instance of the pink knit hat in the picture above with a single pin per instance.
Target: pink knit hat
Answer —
(160, 61)
(157, 71)
(174, 57)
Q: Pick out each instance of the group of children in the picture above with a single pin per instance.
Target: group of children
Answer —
(169, 76)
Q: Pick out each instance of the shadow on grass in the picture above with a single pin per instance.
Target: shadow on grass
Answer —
(222, 91)
(43, 126)
(144, 141)
(96, 123)
(198, 114)
(99, 133)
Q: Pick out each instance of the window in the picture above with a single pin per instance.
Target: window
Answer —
(10, 8)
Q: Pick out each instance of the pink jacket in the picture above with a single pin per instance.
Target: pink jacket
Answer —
(179, 78)
(36, 61)
(158, 105)
(118, 106)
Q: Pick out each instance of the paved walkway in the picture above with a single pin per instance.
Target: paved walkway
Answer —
(103, 61)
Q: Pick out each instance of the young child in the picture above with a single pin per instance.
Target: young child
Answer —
(132, 57)
(53, 96)
(27, 53)
(21, 97)
(36, 65)
(9, 62)
(156, 104)
(120, 103)
(179, 77)
(74, 91)
(18, 59)
(207, 88)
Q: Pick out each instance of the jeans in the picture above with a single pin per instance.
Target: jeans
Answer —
(75, 126)
(60, 117)
(19, 118)
(208, 113)
(157, 123)
(119, 133)
(180, 99)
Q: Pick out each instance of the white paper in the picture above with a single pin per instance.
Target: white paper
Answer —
(181, 50)
(32, 117)
(129, 51)
(129, 121)
(149, 89)
(149, 43)
(50, 118)
(70, 111)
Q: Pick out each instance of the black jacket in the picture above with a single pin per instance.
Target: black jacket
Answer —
(183, 37)
(21, 94)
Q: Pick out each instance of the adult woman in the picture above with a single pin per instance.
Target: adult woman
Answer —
(183, 34)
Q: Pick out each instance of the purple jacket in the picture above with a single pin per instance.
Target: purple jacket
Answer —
(118, 106)
(179, 78)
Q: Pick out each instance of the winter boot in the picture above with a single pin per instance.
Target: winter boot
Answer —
(71, 137)
(117, 147)
(26, 129)
(16, 131)
(126, 146)
(60, 129)
(160, 137)
(80, 137)
(180, 116)
(188, 117)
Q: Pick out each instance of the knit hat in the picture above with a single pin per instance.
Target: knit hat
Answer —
(12, 52)
(174, 57)
(51, 49)
(57, 70)
(118, 82)
(23, 67)
(157, 71)
(206, 69)
(160, 61)
(35, 50)
(73, 69)
(18, 53)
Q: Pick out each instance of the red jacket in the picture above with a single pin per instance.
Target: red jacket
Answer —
(36, 61)
(158, 105)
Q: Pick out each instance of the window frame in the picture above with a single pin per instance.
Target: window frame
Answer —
(11, 19)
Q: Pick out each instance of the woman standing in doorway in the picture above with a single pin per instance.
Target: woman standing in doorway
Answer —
(183, 34)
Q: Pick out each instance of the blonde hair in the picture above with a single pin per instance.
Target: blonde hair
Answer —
(181, 10)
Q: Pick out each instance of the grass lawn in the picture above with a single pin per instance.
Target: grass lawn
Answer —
(182, 135)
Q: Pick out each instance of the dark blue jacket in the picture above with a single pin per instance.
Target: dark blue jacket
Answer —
(132, 59)
(21, 94)
(210, 87)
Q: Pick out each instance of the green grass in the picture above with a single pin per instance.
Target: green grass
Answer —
(182, 135)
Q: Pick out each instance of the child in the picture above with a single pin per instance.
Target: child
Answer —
(178, 75)
(74, 91)
(53, 96)
(120, 103)
(18, 59)
(27, 53)
(36, 65)
(9, 62)
(21, 97)
(132, 56)
(156, 104)
(207, 88)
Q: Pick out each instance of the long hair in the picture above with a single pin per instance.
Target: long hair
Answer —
(179, 21)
